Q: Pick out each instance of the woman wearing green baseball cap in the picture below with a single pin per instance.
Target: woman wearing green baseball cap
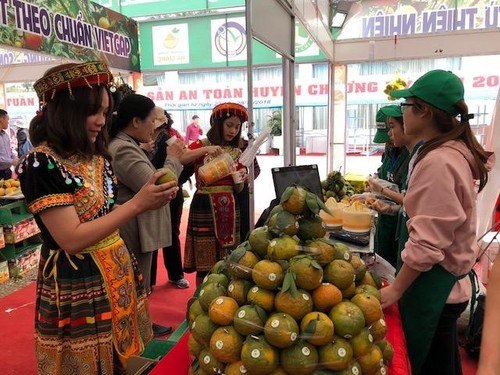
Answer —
(393, 169)
(439, 207)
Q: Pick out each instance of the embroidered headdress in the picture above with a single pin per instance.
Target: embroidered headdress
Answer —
(68, 76)
(225, 110)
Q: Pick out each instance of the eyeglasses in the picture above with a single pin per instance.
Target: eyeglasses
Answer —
(405, 105)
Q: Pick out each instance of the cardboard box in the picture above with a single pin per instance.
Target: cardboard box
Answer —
(2, 238)
(13, 233)
(4, 269)
(24, 262)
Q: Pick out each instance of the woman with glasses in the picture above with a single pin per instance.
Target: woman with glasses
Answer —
(432, 286)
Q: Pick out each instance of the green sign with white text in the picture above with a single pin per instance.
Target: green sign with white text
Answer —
(74, 30)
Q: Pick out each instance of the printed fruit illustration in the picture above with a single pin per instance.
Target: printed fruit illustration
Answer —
(167, 177)
(104, 23)
(171, 40)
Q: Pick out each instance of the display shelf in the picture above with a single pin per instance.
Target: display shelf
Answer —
(20, 243)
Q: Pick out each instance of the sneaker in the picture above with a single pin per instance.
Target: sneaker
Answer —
(181, 283)
(159, 330)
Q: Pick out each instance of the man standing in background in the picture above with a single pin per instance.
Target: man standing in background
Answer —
(193, 130)
(7, 156)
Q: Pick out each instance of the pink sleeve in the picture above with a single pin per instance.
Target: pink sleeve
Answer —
(438, 205)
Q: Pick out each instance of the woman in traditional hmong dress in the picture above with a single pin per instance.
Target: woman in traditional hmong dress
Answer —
(214, 216)
(91, 310)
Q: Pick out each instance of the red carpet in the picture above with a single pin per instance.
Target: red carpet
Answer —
(167, 305)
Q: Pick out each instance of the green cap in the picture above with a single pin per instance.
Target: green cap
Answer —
(440, 88)
(382, 134)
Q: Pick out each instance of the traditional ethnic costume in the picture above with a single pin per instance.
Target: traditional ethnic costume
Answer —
(214, 218)
(91, 310)
(91, 307)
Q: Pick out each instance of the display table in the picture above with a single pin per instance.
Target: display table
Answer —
(176, 362)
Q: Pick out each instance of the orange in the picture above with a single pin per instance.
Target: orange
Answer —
(387, 351)
(220, 267)
(281, 330)
(242, 269)
(371, 362)
(335, 355)
(249, 320)
(343, 252)
(209, 292)
(238, 290)
(261, 297)
(371, 279)
(202, 329)
(323, 252)
(293, 199)
(340, 273)
(235, 368)
(348, 319)
(311, 228)
(349, 292)
(283, 223)
(225, 344)
(194, 310)
(316, 328)
(259, 240)
(362, 342)
(222, 309)
(268, 274)
(326, 296)
(300, 359)
(194, 347)
(209, 363)
(370, 306)
(217, 278)
(279, 371)
(359, 267)
(297, 305)
(283, 248)
(308, 272)
(378, 329)
(368, 289)
(258, 356)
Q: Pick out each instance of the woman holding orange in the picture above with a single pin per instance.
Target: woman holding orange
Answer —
(214, 216)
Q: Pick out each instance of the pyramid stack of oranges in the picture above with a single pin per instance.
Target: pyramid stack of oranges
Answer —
(289, 301)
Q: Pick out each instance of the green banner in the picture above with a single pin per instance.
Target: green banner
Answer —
(211, 42)
(74, 30)
(140, 8)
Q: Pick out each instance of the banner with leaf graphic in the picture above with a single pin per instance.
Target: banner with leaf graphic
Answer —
(76, 30)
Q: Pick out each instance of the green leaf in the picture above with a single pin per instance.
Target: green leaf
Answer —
(237, 254)
(312, 203)
(327, 241)
(293, 287)
(322, 205)
(261, 313)
(316, 265)
(311, 328)
(287, 282)
(287, 194)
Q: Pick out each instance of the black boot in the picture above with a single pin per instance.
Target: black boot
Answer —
(159, 330)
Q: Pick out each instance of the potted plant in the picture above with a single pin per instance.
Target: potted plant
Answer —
(274, 121)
